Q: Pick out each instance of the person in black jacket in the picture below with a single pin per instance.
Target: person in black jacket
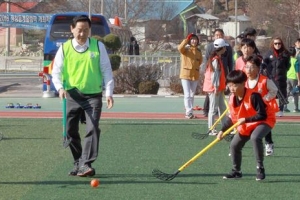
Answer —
(277, 61)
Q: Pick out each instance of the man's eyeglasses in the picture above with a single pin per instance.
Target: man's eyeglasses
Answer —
(279, 43)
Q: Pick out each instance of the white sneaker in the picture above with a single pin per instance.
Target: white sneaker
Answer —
(234, 131)
(213, 132)
(190, 116)
(269, 149)
(279, 114)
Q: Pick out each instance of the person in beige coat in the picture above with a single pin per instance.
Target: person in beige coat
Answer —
(191, 59)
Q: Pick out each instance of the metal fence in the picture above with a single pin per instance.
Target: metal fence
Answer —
(169, 65)
(21, 64)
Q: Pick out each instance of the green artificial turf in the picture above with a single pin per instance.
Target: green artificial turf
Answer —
(34, 165)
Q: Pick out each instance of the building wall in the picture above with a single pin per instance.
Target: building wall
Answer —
(15, 37)
(229, 27)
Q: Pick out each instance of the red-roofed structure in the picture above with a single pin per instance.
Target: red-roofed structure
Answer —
(18, 7)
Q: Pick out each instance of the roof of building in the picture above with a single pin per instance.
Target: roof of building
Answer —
(240, 18)
(204, 16)
(18, 7)
(177, 6)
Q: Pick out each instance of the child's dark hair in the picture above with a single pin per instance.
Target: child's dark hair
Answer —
(254, 59)
(292, 51)
(249, 43)
(211, 56)
(81, 18)
(196, 37)
(236, 77)
(219, 30)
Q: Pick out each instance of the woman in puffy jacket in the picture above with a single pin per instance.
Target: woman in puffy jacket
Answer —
(191, 59)
(277, 62)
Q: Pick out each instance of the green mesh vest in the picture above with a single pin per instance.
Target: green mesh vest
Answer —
(291, 74)
(82, 70)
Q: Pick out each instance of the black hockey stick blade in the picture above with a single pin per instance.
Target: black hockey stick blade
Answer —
(164, 176)
(199, 136)
(66, 142)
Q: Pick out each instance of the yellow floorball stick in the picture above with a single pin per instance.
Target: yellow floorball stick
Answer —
(201, 136)
(167, 177)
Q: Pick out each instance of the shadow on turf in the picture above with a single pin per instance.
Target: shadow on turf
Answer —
(287, 135)
(20, 138)
(150, 123)
(105, 180)
(136, 179)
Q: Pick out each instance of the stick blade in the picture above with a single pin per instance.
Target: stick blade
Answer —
(229, 137)
(199, 136)
(164, 176)
(66, 142)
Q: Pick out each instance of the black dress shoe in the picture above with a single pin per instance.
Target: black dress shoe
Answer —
(74, 171)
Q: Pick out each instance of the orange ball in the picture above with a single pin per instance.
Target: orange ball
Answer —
(95, 182)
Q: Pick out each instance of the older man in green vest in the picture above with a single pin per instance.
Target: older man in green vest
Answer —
(80, 67)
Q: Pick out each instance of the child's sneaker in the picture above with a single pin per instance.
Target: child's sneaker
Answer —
(233, 175)
(279, 114)
(213, 132)
(190, 116)
(260, 175)
(269, 149)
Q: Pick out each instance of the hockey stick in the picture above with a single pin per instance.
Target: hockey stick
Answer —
(229, 137)
(1, 136)
(66, 141)
(201, 136)
(167, 177)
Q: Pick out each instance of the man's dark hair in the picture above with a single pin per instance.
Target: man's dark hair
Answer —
(81, 18)
(249, 31)
(292, 51)
(219, 30)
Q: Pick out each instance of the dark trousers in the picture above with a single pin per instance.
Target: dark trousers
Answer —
(206, 104)
(239, 141)
(283, 89)
(77, 102)
(268, 138)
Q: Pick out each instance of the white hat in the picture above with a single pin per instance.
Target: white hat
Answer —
(218, 43)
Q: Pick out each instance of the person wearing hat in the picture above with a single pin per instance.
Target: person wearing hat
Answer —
(250, 33)
(191, 59)
(227, 60)
(214, 82)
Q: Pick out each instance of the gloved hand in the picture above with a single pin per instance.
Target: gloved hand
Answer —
(189, 36)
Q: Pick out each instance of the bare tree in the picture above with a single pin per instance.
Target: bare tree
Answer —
(226, 5)
(280, 18)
